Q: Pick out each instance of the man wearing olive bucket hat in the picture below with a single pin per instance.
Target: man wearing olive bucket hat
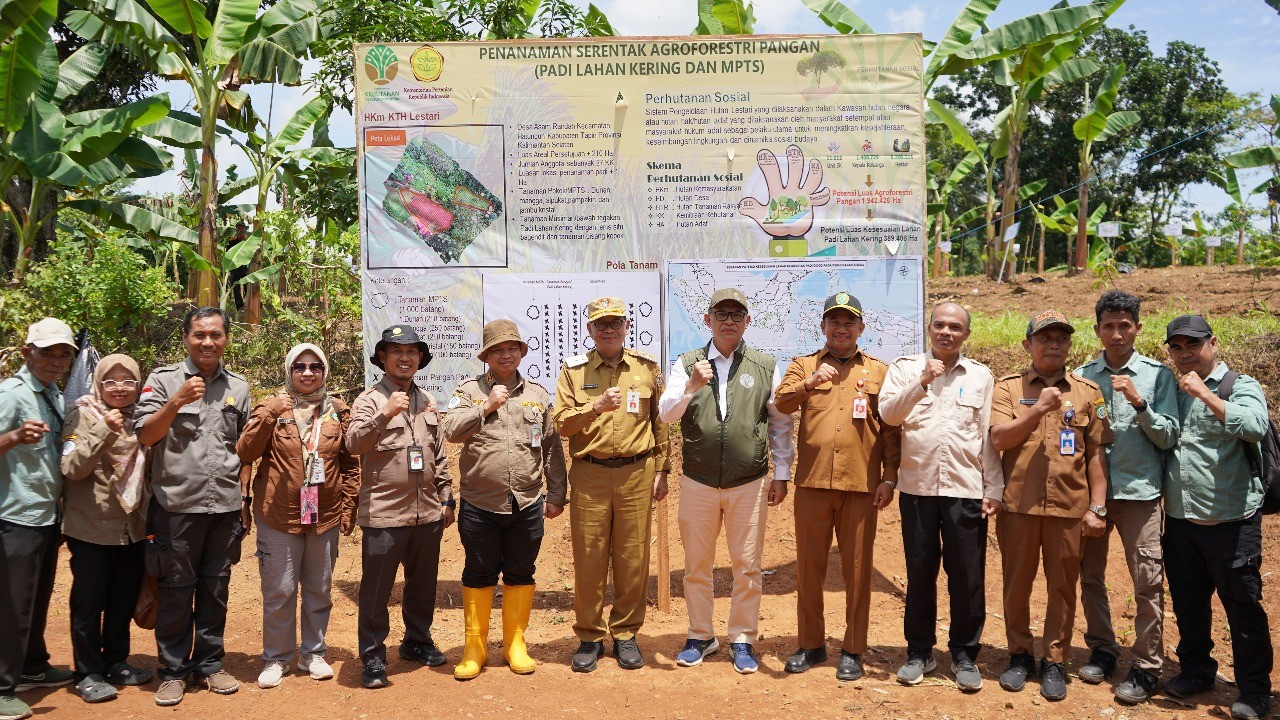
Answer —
(406, 502)
(509, 449)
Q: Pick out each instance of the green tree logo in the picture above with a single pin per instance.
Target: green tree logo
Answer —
(381, 64)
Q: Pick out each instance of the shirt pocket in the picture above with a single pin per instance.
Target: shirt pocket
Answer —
(232, 421)
(395, 436)
(968, 411)
(186, 424)
(532, 416)
(921, 413)
(821, 398)
(646, 399)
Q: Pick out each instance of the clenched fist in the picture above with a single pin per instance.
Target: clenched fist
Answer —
(1123, 384)
(824, 374)
(396, 404)
(191, 391)
(498, 397)
(611, 400)
(1192, 385)
(30, 432)
(1050, 399)
(279, 404)
(933, 370)
(700, 376)
(114, 420)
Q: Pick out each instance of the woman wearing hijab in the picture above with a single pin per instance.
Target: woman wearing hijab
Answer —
(105, 499)
(304, 493)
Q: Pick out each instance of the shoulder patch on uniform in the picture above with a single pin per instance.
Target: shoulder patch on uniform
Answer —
(1100, 408)
(643, 355)
(68, 446)
(575, 361)
(454, 402)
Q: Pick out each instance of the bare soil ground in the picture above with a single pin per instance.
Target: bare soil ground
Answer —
(663, 690)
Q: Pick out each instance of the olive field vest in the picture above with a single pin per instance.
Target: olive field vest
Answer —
(732, 452)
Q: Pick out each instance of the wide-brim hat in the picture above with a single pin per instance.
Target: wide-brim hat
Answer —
(498, 332)
(400, 335)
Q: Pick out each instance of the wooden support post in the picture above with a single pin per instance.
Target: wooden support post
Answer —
(664, 560)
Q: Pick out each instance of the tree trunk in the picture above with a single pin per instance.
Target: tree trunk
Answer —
(1240, 238)
(937, 248)
(206, 285)
(1040, 254)
(1008, 204)
(1080, 258)
(252, 292)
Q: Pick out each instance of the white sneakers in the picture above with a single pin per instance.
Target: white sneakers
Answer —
(272, 673)
(314, 666)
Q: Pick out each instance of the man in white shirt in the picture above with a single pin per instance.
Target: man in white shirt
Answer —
(951, 481)
(722, 394)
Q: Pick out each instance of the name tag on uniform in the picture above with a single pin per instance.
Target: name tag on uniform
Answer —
(633, 401)
(1067, 442)
(535, 436)
(860, 408)
(315, 476)
(1027, 401)
(417, 462)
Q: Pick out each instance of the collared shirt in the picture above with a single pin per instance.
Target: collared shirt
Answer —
(946, 446)
(1038, 478)
(673, 402)
(837, 451)
(617, 433)
(500, 458)
(1208, 478)
(194, 468)
(30, 480)
(1135, 461)
(91, 506)
(392, 494)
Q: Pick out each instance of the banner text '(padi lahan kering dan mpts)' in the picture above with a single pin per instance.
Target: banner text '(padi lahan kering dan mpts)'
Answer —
(616, 154)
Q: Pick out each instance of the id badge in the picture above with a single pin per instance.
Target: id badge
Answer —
(535, 436)
(315, 476)
(633, 402)
(417, 463)
(1067, 442)
(310, 504)
(860, 408)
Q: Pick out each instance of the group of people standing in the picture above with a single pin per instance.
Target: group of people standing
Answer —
(166, 476)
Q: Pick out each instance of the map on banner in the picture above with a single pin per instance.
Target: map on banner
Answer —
(786, 298)
(551, 312)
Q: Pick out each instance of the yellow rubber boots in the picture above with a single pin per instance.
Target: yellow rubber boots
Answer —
(517, 602)
(477, 603)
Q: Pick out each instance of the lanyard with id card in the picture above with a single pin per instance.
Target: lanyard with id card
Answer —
(414, 454)
(1067, 436)
(313, 475)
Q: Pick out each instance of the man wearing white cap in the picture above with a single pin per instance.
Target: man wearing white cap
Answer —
(30, 485)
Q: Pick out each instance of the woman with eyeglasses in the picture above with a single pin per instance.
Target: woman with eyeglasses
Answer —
(105, 503)
(304, 493)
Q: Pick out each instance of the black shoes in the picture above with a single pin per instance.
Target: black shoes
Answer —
(1053, 680)
(628, 654)
(1251, 707)
(1184, 686)
(1100, 666)
(803, 659)
(425, 652)
(1136, 688)
(850, 667)
(1020, 667)
(585, 657)
(374, 675)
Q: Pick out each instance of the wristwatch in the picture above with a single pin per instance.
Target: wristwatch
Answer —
(1140, 408)
(1099, 510)
(451, 503)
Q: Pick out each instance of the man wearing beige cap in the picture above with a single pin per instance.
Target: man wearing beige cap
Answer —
(30, 485)
(510, 449)
(722, 395)
(607, 406)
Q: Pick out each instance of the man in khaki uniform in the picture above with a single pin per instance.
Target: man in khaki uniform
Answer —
(846, 471)
(406, 502)
(509, 447)
(1050, 427)
(607, 406)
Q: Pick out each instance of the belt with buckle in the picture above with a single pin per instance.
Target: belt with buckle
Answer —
(617, 462)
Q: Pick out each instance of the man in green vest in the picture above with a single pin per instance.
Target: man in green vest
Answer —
(722, 394)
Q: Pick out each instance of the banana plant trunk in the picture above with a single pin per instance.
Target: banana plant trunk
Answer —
(1081, 254)
(252, 291)
(1240, 239)
(937, 248)
(206, 282)
(1009, 201)
(1040, 252)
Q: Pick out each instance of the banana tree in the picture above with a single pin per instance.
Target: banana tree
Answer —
(240, 46)
(942, 199)
(1230, 184)
(1098, 124)
(235, 258)
(724, 17)
(988, 154)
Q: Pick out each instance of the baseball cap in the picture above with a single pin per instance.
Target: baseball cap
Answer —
(401, 335)
(1046, 319)
(1192, 326)
(842, 301)
(606, 307)
(50, 332)
(728, 295)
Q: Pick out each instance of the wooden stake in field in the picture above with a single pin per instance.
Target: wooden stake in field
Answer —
(664, 559)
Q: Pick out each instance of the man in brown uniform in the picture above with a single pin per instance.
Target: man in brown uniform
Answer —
(846, 470)
(607, 405)
(1050, 427)
(509, 446)
(406, 502)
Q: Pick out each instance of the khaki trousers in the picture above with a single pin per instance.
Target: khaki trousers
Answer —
(609, 517)
(1139, 523)
(852, 517)
(743, 511)
(1023, 540)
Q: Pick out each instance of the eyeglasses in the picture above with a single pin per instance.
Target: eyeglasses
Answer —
(119, 384)
(608, 324)
(734, 315)
(314, 367)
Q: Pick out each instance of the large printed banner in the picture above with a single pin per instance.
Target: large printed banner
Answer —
(616, 155)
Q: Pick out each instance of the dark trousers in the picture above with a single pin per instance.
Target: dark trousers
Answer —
(28, 561)
(104, 587)
(383, 551)
(1224, 558)
(951, 532)
(500, 543)
(196, 552)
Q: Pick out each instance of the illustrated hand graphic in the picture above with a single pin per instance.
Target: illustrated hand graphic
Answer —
(789, 209)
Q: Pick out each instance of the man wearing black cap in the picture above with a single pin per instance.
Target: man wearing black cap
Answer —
(846, 470)
(1050, 427)
(722, 395)
(1213, 529)
(406, 501)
